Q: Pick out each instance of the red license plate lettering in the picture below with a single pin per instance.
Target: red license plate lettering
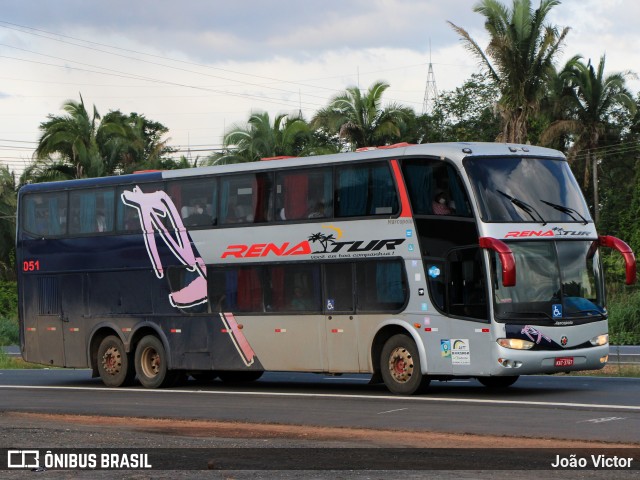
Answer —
(564, 361)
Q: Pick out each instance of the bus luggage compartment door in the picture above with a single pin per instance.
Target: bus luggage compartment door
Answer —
(342, 343)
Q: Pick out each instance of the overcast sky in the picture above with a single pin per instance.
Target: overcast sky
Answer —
(201, 66)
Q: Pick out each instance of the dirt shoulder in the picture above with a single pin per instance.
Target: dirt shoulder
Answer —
(60, 431)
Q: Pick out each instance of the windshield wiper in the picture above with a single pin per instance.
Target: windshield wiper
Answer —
(525, 207)
(568, 210)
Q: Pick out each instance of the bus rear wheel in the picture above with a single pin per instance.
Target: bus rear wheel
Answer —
(498, 382)
(400, 366)
(151, 364)
(114, 364)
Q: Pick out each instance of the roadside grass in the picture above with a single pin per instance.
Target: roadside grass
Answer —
(610, 370)
(8, 362)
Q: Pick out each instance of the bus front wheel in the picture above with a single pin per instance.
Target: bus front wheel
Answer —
(114, 364)
(400, 366)
(151, 364)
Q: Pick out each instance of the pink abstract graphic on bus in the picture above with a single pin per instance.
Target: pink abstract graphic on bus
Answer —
(153, 208)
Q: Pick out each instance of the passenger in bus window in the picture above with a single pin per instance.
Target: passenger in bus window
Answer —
(317, 211)
(198, 217)
(131, 221)
(439, 204)
(300, 300)
(101, 222)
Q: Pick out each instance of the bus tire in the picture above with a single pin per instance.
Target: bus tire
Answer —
(400, 366)
(151, 364)
(114, 363)
(239, 376)
(498, 382)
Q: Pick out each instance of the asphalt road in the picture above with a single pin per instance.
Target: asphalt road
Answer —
(558, 407)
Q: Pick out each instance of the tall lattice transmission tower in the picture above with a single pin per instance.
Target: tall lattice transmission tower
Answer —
(430, 91)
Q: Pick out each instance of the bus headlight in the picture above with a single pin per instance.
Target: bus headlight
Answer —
(515, 343)
(600, 340)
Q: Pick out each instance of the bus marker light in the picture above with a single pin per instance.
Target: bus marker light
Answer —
(72, 329)
(417, 325)
(337, 330)
(176, 330)
(126, 329)
(224, 330)
(482, 330)
(281, 330)
(31, 329)
(430, 329)
(51, 329)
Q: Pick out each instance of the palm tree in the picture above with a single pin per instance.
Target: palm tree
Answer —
(590, 99)
(259, 138)
(68, 143)
(360, 119)
(519, 58)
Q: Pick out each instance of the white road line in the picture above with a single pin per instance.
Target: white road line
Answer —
(144, 391)
(391, 411)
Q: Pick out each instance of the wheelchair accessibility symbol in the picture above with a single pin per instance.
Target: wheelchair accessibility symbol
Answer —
(557, 311)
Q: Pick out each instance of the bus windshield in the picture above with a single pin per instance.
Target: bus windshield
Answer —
(556, 281)
(526, 190)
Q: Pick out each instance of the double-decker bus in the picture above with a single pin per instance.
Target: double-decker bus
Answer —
(410, 263)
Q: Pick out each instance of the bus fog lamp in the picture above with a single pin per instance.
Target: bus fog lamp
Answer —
(506, 363)
(600, 340)
(515, 343)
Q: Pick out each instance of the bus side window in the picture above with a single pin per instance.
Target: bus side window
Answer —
(196, 200)
(435, 188)
(128, 217)
(45, 214)
(91, 211)
(365, 190)
(338, 281)
(294, 288)
(246, 198)
(304, 194)
(381, 286)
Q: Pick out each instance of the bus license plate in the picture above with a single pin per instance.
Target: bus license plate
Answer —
(564, 361)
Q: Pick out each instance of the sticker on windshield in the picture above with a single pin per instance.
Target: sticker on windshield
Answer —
(434, 272)
(556, 310)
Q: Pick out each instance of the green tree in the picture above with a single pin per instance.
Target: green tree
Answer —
(68, 146)
(360, 120)
(519, 59)
(8, 204)
(468, 112)
(138, 144)
(260, 138)
(591, 98)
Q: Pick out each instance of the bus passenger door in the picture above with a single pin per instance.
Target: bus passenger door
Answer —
(467, 301)
(341, 324)
(72, 316)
